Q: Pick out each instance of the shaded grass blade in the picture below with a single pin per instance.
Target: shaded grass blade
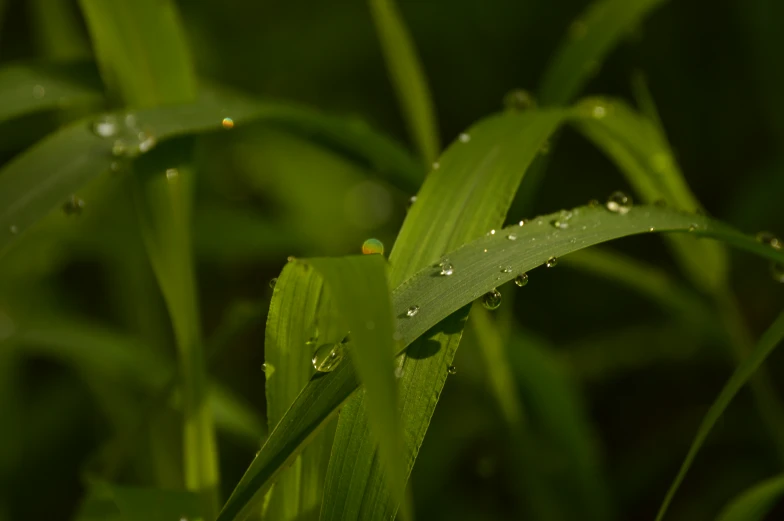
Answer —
(755, 503)
(297, 311)
(408, 77)
(44, 176)
(589, 40)
(113, 502)
(476, 272)
(770, 339)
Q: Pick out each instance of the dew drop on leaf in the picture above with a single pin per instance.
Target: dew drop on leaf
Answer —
(446, 269)
(619, 203)
(769, 239)
(551, 262)
(105, 126)
(327, 357)
(412, 311)
(227, 123)
(512, 237)
(521, 280)
(519, 100)
(373, 247)
(464, 138)
(491, 299)
(451, 369)
(272, 282)
(506, 269)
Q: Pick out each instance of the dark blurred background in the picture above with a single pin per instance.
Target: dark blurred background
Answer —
(645, 380)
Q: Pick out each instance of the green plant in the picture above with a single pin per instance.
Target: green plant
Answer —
(382, 334)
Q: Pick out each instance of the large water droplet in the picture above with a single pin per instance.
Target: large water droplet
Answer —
(551, 262)
(412, 310)
(327, 357)
(451, 369)
(519, 100)
(769, 239)
(272, 282)
(373, 247)
(777, 270)
(446, 268)
(619, 203)
(521, 280)
(105, 126)
(411, 201)
(491, 299)
(73, 206)
(464, 138)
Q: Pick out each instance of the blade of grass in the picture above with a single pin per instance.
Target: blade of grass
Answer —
(588, 41)
(643, 155)
(755, 503)
(770, 339)
(43, 177)
(298, 309)
(57, 30)
(467, 194)
(27, 88)
(476, 272)
(408, 77)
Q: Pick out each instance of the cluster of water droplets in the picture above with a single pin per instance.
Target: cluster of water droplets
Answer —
(130, 139)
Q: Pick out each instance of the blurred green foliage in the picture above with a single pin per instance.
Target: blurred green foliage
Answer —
(87, 359)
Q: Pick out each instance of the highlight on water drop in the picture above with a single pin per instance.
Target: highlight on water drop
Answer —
(372, 247)
(105, 126)
(619, 203)
(412, 310)
(492, 299)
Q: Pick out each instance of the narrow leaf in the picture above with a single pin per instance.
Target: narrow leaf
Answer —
(408, 77)
(770, 339)
(590, 38)
(755, 503)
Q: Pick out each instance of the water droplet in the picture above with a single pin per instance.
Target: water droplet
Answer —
(120, 148)
(521, 280)
(372, 247)
(485, 250)
(512, 237)
(619, 203)
(411, 201)
(268, 369)
(146, 142)
(413, 310)
(692, 227)
(327, 357)
(551, 262)
(506, 269)
(14, 229)
(464, 138)
(272, 282)
(519, 100)
(491, 299)
(651, 229)
(577, 30)
(436, 165)
(291, 258)
(769, 239)
(73, 206)
(264, 367)
(593, 203)
(491, 232)
(105, 126)
(562, 222)
(446, 269)
(777, 270)
(227, 123)
(451, 369)
(172, 174)
(39, 91)
(522, 223)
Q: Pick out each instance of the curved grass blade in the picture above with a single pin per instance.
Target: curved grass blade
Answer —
(408, 77)
(588, 41)
(770, 339)
(299, 316)
(476, 272)
(755, 503)
(44, 176)
(29, 88)
(640, 149)
(469, 193)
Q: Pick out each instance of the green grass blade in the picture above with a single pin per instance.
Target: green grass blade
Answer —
(141, 50)
(476, 272)
(467, 194)
(299, 311)
(113, 502)
(642, 153)
(358, 286)
(408, 77)
(755, 503)
(770, 339)
(29, 88)
(57, 30)
(43, 177)
(590, 38)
